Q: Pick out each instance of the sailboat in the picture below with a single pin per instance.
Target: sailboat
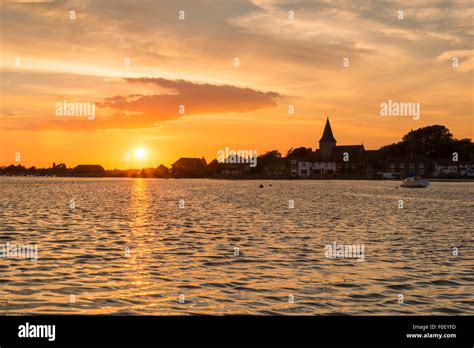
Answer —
(415, 181)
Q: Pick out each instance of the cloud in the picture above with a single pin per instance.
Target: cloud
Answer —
(465, 57)
(197, 98)
(193, 98)
(369, 24)
(137, 111)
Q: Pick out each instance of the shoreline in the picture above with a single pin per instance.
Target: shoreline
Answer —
(460, 180)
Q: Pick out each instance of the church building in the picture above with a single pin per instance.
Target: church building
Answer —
(331, 159)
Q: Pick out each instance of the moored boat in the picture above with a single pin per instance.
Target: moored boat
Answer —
(415, 181)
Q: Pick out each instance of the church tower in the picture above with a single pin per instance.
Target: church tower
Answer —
(327, 141)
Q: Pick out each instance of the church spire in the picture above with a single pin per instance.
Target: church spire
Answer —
(327, 134)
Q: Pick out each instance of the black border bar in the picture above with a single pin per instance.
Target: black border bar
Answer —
(259, 330)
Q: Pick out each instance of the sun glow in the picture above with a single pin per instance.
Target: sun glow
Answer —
(140, 152)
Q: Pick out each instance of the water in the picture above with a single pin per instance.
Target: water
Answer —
(191, 251)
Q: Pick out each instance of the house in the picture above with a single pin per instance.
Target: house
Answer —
(466, 169)
(446, 167)
(188, 167)
(350, 159)
(449, 168)
(278, 168)
(313, 164)
(408, 166)
(234, 166)
(162, 171)
(235, 169)
(88, 170)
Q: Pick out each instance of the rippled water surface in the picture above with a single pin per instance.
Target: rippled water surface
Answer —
(191, 251)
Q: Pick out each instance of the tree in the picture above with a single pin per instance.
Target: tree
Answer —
(298, 153)
(269, 159)
(432, 141)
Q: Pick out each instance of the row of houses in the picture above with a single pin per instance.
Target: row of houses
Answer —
(332, 161)
(400, 167)
(328, 161)
(356, 163)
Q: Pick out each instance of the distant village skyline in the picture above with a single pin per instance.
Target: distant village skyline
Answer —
(440, 155)
(327, 135)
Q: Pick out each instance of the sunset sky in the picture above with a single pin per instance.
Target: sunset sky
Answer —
(191, 62)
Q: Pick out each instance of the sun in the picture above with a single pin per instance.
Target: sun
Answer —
(140, 152)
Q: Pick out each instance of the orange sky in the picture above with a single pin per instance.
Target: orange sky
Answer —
(190, 62)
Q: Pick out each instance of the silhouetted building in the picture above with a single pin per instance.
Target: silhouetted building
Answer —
(448, 168)
(189, 167)
(89, 170)
(162, 171)
(327, 142)
(331, 159)
(277, 169)
(409, 166)
(235, 169)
